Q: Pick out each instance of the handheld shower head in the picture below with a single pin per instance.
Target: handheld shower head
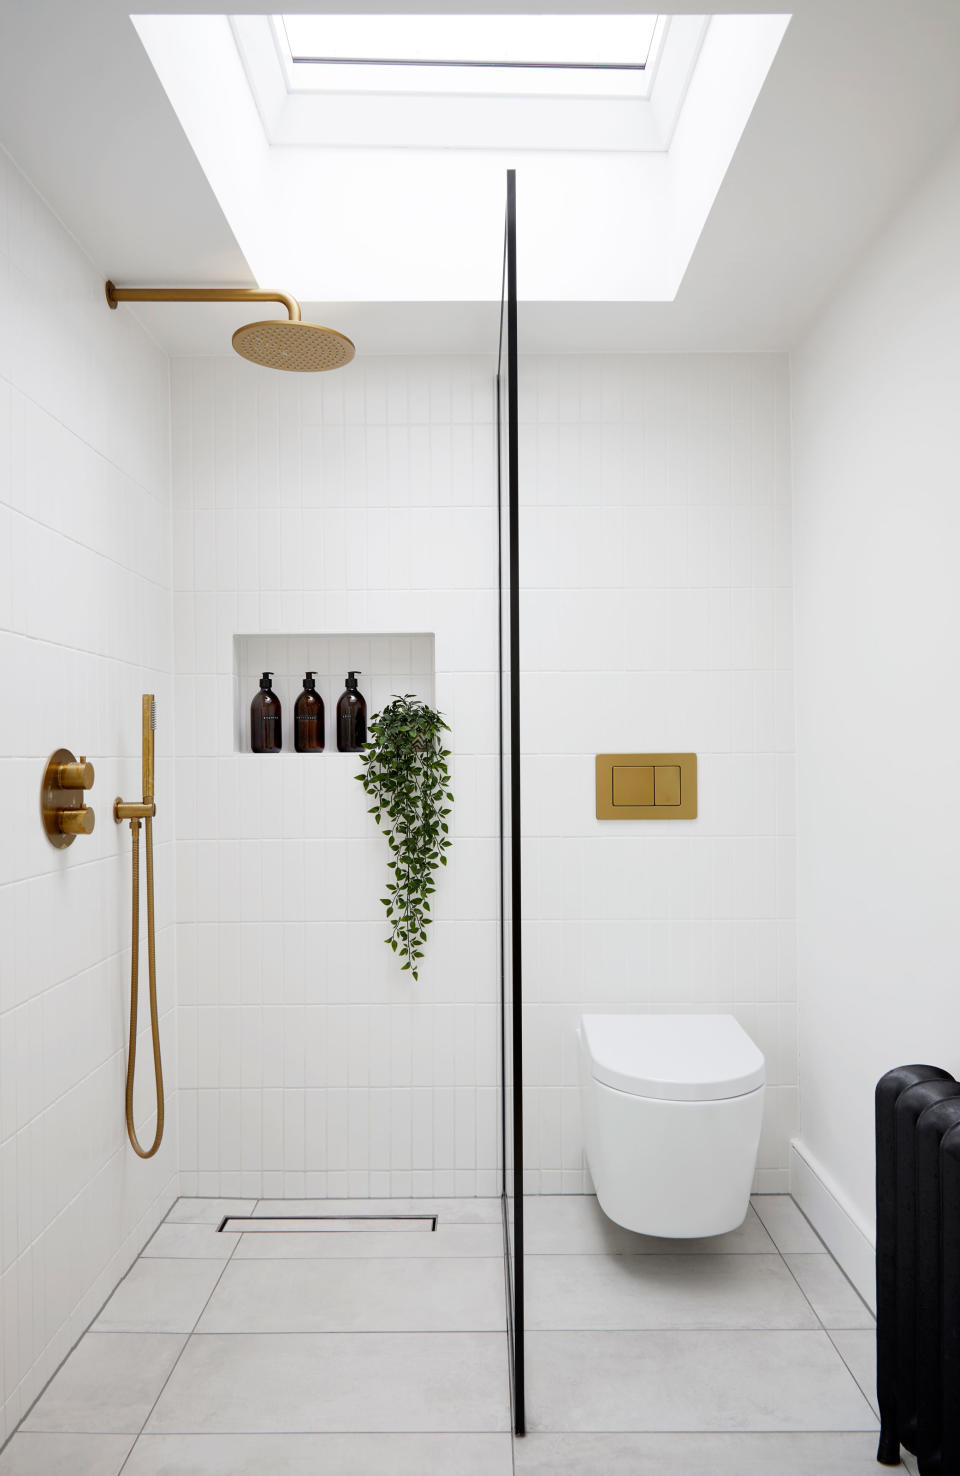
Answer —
(149, 728)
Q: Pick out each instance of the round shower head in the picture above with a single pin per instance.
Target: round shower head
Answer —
(283, 344)
(279, 344)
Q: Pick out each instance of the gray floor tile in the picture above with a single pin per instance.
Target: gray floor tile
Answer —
(447, 1240)
(373, 1295)
(835, 1301)
(695, 1455)
(450, 1211)
(313, 1455)
(574, 1224)
(160, 1296)
(859, 1352)
(208, 1211)
(193, 1242)
(315, 1382)
(791, 1231)
(647, 1381)
(64, 1455)
(640, 1292)
(108, 1384)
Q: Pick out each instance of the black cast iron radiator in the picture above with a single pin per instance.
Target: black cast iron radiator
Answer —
(918, 1267)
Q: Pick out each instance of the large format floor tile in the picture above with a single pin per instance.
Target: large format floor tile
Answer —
(107, 1385)
(859, 1352)
(791, 1231)
(318, 1455)
(373, 1295)
(612, 1381)
(446, 1240)
(641, 1292)
(160, 1296)
(574, 1224)
(64, 1455)
(830, 1294)
(449, 1211)
(695, 1455)
(191, 1242)
(208, 1211)
(303, 1382)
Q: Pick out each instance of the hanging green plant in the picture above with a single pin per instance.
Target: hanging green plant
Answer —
(405, 773)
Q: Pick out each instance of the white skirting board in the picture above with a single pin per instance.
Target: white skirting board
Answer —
(848, 1239)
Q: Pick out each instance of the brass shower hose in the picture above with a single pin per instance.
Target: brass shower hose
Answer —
(135, 989)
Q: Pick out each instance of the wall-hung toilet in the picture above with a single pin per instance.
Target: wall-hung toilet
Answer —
(672, 1108)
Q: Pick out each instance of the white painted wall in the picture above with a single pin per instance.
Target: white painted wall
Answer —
(656, 616)
(875, 394)
(656, 610)
(85, 627)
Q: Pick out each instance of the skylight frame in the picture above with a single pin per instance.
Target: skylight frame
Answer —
(477, 21)
(470, 76)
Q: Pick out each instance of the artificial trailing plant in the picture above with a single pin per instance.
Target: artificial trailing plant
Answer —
(405, 773)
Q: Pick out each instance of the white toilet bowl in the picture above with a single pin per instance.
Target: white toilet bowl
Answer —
(672, 1108)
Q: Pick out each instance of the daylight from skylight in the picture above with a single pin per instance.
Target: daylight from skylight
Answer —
(593, 55)
(474, 40)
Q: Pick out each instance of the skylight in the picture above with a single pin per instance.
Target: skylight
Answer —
(606, 55)
(474, 40)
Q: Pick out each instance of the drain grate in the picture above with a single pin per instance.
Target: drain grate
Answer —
(327, 1224)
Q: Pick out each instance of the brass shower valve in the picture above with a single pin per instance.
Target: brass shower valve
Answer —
(78, 775)
(62, 808)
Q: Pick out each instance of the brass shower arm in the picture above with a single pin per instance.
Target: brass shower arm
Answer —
(117, 295)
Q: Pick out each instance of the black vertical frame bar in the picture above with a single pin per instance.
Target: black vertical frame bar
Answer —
(510, 798)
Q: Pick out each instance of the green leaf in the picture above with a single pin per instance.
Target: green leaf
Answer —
(405, 772)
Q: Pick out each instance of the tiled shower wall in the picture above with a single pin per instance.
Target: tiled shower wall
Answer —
(361, 501)
(656, 615)
(85, 627)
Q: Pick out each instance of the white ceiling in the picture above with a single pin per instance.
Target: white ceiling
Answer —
(862, 96)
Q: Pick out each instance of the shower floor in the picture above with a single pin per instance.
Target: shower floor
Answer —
(368, 1352)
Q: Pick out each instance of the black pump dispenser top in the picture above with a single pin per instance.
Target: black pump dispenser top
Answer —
(309, 681)
(352, 680)
(266, 685)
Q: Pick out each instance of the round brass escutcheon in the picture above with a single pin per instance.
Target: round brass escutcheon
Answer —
(62, 808)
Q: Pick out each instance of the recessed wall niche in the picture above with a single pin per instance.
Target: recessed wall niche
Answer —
(388, 665)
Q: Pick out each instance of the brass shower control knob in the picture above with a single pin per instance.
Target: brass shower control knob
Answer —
(62, 808)
(77, 822)
(79, 775)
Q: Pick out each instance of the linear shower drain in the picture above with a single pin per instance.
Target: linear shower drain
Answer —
(327, 1224)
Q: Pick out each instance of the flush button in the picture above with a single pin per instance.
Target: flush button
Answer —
(646, 786)
(633, 785)
(666, 784)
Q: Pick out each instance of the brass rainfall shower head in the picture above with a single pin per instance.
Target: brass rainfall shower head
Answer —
(275, 343)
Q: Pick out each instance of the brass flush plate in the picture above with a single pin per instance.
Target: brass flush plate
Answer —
(646, 786)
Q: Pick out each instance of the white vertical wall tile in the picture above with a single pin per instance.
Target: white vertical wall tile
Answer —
(85, 496)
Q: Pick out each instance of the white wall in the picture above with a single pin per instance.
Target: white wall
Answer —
(875, 395)
(656, 615)
(85, 627)
(656, 610)
(361, 501)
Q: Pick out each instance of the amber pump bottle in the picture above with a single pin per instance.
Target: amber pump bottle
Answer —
(308, 717)
(265, 713)
(351, 717)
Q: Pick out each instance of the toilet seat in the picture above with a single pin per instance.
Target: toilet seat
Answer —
(673, 1058)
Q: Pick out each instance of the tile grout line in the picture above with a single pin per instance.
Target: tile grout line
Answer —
(186, 1344)
(820, 1323)
(74, 1346)
(847, 1366)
